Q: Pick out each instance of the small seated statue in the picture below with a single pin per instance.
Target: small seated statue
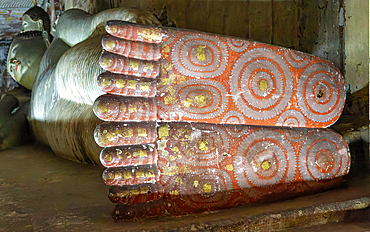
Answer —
(184, 111)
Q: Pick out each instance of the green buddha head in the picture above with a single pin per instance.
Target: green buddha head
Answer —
(35, 19)
(24, 57)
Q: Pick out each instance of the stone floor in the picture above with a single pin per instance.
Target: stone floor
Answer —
(42, 192)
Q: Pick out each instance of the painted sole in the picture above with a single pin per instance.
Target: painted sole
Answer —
(197, 77)
(209, 167)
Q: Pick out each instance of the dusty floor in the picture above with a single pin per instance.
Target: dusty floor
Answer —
(42, 192)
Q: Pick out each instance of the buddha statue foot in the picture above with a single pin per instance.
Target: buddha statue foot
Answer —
(197, 167)
(165, 74)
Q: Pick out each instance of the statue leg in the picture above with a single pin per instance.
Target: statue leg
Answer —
(61, 114)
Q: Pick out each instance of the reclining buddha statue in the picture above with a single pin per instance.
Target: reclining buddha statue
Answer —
(188, 121)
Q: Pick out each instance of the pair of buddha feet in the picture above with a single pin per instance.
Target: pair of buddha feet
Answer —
(177, 107)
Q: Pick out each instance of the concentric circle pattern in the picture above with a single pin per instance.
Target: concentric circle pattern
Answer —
(296, 135)
(233, 117)
(200, 99)
(237, 45)
(261, 84)
(297, 59)
(199, 55)
(206, 189)
(324, 155)
(264, 158)
(291, 118)
(320, 92)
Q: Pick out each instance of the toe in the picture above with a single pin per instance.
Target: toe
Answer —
(119, 108)
(129, 66)
(127, 85)
(128, 155)
(131, 175)
(110, 134)
(132, 49)
(134, 32)
(133, 194)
